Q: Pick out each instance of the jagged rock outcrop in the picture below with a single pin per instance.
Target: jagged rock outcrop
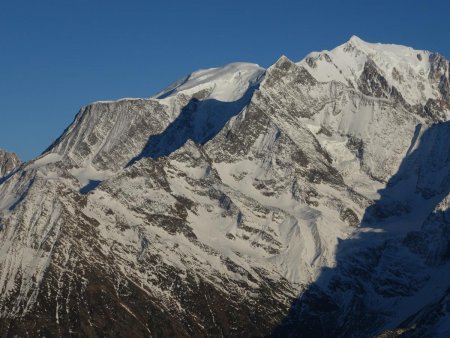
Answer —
(8, 162)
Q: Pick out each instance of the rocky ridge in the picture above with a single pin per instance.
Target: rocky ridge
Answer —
(8, 162)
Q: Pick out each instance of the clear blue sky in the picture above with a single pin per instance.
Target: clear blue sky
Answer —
(56, 56)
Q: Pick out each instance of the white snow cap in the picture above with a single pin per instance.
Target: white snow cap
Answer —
(403, 67)
(227, 83)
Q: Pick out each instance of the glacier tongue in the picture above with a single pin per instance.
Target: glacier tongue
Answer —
(310, 197)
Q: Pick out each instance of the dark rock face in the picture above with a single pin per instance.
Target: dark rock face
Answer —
(349, 216)
(435, 110)
(372, 83)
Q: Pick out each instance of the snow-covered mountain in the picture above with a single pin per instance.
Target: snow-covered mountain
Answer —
(307, 199)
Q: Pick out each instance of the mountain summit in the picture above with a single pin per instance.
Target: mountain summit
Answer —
(415, 74)
(307, 199)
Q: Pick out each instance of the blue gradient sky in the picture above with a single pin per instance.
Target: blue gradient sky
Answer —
(56, 56)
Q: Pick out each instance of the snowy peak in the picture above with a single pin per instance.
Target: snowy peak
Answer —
(394, 50)
(356, 40)
(106, 136)
(226, 84)
(415, 74)
(283, 59)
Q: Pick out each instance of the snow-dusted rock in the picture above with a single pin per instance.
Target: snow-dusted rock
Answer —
(213, 206)
(8, 162)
